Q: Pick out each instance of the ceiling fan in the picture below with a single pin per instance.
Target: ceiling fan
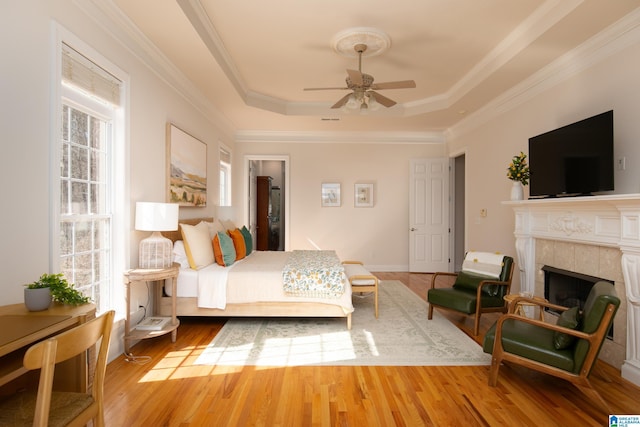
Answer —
(364, 95)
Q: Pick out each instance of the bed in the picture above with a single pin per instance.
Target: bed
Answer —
(253, 287)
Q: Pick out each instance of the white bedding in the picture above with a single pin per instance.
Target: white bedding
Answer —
(256, 278)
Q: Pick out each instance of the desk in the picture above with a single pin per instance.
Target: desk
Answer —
(22, 328)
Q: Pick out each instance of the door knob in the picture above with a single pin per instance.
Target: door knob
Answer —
(413, 229)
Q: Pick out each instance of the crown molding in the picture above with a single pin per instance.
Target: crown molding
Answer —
(198, 17)
(547, 15)
(394, 138)
(115, 23)
(613, 39)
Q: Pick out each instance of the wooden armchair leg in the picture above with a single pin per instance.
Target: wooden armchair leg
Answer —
(375, 296)
(593, 394)
(430, 316)
(476, 325)
(493, 371)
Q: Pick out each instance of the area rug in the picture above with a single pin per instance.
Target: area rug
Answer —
(401, 336)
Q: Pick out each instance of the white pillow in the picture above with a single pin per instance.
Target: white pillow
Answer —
(485, 263)
(228, 224)
(180, 254)
(214, 228)
(197, 245)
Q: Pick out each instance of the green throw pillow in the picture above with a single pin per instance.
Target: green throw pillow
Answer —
(223, 249)
(568, 319)
(468, 281)
(248, 240)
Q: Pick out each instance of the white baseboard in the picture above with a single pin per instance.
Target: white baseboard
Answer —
(630, 372)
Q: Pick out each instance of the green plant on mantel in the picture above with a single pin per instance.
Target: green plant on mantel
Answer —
(518, 170)
(61, 290)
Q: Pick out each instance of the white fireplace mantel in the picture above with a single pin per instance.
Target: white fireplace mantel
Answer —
(612, 221)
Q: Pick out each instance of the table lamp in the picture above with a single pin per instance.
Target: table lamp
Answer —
(156, 250)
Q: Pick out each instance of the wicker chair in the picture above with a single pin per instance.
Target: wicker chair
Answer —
(48, 407)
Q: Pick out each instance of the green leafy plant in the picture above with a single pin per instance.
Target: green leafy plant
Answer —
(518, 170)
(61, 290)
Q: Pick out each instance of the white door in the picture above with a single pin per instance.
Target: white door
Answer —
(429, 215)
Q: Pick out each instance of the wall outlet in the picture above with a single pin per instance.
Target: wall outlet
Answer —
(622, 163)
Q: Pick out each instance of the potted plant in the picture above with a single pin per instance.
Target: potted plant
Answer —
(39, 294)
(518, 172)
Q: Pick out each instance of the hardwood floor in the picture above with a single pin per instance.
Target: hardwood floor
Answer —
(169, 390)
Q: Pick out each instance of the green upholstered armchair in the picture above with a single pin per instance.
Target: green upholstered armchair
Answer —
(566, 350)
(474, 291)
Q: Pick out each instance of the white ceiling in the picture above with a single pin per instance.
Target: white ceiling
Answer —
(251, 59)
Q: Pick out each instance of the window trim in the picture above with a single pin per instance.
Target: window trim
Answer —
(119, 172)
(228, 170)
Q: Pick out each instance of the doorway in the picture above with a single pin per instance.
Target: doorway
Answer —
(458, 211)
(429, 215)
(276, 167)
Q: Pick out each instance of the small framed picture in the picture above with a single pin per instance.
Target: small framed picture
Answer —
(363, 195)
(330, 194)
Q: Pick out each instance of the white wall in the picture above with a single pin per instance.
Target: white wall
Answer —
(377, 236)
(610, 84)
(26, 43)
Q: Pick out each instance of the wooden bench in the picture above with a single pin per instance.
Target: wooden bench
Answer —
(361, 280)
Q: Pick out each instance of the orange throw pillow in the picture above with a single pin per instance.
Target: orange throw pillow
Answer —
(238, 243)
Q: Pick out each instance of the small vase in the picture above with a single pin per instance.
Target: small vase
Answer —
(517, 191)
(37, 299)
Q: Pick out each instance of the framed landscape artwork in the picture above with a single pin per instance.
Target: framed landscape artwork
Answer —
(187, 168)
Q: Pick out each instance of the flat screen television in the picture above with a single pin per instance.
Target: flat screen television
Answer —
(573, 160)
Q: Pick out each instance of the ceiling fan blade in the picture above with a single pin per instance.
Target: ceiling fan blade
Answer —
(382, 99)
(325, 88)
(355, 76)
(402, 84)
(342, 101)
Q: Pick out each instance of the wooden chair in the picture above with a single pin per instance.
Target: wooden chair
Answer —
(553, 348)
(361, 280)
(472, 292)
(48, 407)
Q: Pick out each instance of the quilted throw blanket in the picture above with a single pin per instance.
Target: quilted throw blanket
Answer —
(314, 274)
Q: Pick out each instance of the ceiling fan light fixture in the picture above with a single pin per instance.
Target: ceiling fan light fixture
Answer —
(361, 41)
(373, 104)
(376, 40)
(352, 103)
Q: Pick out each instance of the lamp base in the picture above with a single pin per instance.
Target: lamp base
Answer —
(156, 251)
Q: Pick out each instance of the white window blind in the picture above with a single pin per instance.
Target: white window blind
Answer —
(84, 74)
(225, 156)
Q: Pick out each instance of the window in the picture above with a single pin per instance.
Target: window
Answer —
(225, 177)
(90, 114)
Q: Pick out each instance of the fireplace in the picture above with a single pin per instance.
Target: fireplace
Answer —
(598, 236)
(569, 289)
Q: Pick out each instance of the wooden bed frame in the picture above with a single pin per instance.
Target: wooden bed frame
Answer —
(189, 306)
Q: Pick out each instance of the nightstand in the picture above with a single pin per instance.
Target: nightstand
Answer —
(155, 276)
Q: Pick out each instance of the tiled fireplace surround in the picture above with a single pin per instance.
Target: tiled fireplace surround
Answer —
(598, 236)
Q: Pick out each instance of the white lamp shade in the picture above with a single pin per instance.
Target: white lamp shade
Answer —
(152, 216)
